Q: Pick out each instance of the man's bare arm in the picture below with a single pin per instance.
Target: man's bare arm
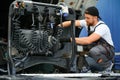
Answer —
(68, 23)
(88, 40)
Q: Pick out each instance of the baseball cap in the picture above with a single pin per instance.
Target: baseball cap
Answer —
(92, 11)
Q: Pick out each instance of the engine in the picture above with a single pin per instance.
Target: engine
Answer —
(34, 28)
(35, 38)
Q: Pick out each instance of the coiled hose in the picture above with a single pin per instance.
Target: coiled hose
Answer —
(20, 41)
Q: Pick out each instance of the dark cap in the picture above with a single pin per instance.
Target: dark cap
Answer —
(92, 11)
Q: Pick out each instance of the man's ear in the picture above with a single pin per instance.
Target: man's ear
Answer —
(95, 17)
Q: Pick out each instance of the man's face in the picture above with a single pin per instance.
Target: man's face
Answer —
(90, 19)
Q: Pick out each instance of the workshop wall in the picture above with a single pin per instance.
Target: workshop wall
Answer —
(110, 14)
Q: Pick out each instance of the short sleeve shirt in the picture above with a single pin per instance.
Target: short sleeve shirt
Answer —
(102, 30)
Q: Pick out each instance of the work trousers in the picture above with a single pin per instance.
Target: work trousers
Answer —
(99, 52)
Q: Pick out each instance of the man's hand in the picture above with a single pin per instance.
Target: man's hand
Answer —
(65, 39)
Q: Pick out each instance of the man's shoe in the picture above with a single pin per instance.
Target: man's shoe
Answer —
(85, 70)
(107, 70)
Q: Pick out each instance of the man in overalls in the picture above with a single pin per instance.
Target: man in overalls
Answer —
(101, 52)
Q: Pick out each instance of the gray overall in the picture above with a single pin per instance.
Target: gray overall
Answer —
(100, 50)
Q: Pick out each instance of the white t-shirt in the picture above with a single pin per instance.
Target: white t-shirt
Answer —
(102, 29)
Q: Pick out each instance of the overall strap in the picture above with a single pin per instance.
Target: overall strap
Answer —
(98, 25)
(89, 31)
